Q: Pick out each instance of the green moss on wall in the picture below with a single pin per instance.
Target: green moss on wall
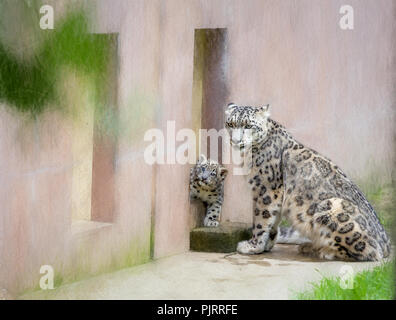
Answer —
(29, 85)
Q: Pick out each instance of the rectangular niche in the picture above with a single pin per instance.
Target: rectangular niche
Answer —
(209, 96)
(209, 83)
(94, 150)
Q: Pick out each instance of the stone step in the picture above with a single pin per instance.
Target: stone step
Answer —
(221, 239)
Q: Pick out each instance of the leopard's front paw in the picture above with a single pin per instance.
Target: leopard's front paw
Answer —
(211, 223)
(247, 247)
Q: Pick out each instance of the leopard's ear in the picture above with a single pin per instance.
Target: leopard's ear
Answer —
(230, 107)
(223, 172)
(264, 110)
(202, 158)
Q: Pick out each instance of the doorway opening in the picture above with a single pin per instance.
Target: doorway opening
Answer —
(209, 96)
(210, 84)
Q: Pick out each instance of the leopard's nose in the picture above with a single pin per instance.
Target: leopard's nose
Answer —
(205, 175)
(234, 141)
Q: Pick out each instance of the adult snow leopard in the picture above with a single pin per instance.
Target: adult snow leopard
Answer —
(310, 191)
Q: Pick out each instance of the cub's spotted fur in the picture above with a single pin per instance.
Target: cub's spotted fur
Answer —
(207, 184)
(310, 191)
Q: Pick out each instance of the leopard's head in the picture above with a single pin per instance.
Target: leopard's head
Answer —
(246, 125)
(208, 173)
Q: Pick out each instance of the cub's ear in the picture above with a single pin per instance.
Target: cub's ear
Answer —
(264, 110)
(230, 107)
(202, 158)
(223, 172)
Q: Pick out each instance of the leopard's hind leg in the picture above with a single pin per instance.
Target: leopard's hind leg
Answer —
(339, 231)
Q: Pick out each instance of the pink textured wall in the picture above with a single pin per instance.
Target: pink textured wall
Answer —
(35, 197)
(333, 89)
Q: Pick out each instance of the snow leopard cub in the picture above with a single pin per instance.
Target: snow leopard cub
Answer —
(207, 184)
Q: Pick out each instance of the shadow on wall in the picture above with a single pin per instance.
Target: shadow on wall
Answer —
(209, 96)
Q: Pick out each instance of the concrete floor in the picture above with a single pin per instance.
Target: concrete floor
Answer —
(195, 275)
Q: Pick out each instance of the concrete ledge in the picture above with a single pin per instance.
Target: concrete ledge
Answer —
(221, 239)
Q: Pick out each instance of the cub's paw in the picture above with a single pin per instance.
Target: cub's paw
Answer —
(246, 247)
(211, 223)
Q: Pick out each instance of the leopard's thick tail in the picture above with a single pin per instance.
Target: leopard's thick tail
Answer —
(290, 236)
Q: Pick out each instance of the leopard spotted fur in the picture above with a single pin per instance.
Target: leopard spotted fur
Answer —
(207, 185)
(293, 181)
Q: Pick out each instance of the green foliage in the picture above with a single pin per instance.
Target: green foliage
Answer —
(384, 202)
(30, 86)
(25, 86)
(375, 284)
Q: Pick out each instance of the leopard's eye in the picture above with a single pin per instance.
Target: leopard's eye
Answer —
(248, 126)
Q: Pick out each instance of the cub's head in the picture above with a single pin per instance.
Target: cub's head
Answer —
(208, 172)
(247, 126)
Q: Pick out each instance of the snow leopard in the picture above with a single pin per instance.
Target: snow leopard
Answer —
(293, 181)
(207, 185)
